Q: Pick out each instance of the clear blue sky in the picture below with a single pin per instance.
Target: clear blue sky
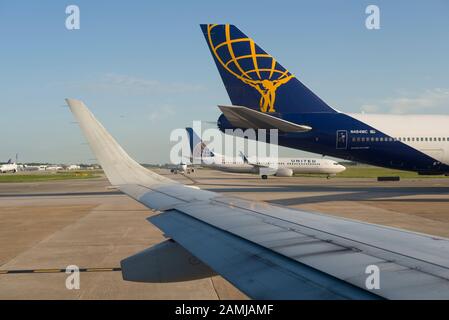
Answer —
(143, 67)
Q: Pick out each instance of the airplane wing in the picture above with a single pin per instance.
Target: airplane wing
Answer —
(242, 117)
(272, 252)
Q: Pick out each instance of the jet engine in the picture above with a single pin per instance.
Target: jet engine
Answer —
(284, 172)
(223, 123)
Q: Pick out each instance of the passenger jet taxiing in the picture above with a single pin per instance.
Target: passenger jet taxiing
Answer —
(265, 95)
(280, 167)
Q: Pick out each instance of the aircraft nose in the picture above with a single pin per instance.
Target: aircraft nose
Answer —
(341, 168)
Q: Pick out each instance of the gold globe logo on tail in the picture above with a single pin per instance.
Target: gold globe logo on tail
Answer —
(265, 80)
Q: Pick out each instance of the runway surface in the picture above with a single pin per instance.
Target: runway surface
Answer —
(47, 226)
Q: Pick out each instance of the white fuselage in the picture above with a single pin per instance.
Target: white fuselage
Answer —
(297, 165)
(428, 134)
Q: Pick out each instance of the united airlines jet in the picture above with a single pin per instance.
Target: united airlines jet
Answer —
(265, 95)
(280, 167)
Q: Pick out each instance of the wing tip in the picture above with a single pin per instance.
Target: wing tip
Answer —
(74, 103)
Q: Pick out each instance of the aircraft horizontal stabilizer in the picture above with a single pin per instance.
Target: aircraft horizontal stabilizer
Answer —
(242, 117)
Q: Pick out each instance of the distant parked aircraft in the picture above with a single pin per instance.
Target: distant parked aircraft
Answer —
(8, 167)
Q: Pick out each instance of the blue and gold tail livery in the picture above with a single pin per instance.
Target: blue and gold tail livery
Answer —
(254, 78)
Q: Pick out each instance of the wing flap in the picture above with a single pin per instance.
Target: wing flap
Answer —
(328, 245)
(256, 271)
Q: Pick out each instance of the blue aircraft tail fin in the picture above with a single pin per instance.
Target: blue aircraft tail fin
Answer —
(255, 79)
(9, 161)
(198, 148)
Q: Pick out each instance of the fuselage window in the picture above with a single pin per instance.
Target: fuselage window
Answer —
(439, 139)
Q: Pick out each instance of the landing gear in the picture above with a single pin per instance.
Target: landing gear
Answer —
(264, 176)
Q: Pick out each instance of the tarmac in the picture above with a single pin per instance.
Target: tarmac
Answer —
(47, 226)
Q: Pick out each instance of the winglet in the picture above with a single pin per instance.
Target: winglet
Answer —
(118, 166)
